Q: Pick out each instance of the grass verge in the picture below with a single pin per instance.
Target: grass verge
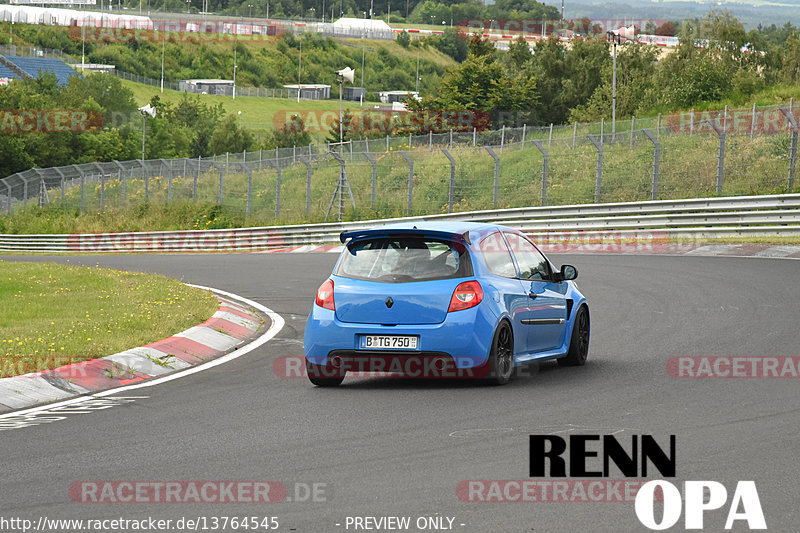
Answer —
(61, 314)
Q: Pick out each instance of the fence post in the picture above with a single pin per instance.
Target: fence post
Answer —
(574, 134)
(496, 174)
(452, 180)
(260, 158)
(753, 121)
(656, 160)
(721, 157)
(340, 185)
(725, 119)
(599, 172)
(25, 191)
(221, 181)
(451, 139)
(83, 188)
(409, 141)
(169, 182)
(307, 163)
(658, 127)
(196, 176)
(64, 182)
(249, 188)
(8, 197)
(294, 154)
(374, 164)
(366, 144)
(544, 170)
(602, 130)
(474, 136)
(387, 143)
(430, 141)
(691, 123)
(227, 158)
(410, 180)
(524, 127)
(793, 149)
(121, 179)
(550, 138)
(633, 126)
(502, 138)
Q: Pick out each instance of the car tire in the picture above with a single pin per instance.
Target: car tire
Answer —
(501, 357)
(579, 343)
(324, 376)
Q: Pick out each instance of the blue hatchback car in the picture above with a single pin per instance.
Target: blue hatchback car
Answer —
(443, 299)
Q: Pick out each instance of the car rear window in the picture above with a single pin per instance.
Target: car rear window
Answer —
(404, 259)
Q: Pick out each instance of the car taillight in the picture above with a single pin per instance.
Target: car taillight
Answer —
(325, 296)
(467, 294)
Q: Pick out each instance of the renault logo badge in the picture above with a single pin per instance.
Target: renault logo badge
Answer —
(389, 302)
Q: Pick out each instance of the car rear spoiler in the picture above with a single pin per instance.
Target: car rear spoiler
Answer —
(358, 235)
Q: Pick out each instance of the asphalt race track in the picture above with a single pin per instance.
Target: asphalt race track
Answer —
(396, 447)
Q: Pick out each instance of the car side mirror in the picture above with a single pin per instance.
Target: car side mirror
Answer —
(568, 273)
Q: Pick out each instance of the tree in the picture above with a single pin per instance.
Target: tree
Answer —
(293, 133)
(519, 53)
(347, 128)
(790, 71)
(452, 44)
(667, 29)
(230, 137)
(478, 46)
(403, 39)
(636, 66)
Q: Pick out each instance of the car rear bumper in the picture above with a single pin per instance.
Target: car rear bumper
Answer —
(464, 337)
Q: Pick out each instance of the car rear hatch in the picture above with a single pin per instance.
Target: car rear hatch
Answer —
(407, 277)
(373, 302)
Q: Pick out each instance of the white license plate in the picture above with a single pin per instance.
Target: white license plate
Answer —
(389, 342)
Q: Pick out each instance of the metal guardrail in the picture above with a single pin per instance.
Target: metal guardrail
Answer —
(701, 218)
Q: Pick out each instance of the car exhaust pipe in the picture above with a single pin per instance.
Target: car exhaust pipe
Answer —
(440, 363)
(336, 361)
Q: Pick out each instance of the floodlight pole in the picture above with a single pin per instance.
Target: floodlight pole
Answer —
(163, 51)
(341, 129)
(144, 133)
(615, 39)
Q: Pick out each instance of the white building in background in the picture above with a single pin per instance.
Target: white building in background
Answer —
(71, 17)
(357, 28)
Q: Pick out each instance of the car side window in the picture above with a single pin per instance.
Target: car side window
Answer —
(497, 257)
(532, 264)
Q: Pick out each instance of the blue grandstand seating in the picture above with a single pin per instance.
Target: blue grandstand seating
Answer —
(5, 72)
(36, 65)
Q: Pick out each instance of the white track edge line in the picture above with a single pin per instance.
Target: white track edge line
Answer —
(274, 329)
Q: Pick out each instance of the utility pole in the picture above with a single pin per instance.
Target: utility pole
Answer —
(163, 52)
(299, 66)
(417, 85)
